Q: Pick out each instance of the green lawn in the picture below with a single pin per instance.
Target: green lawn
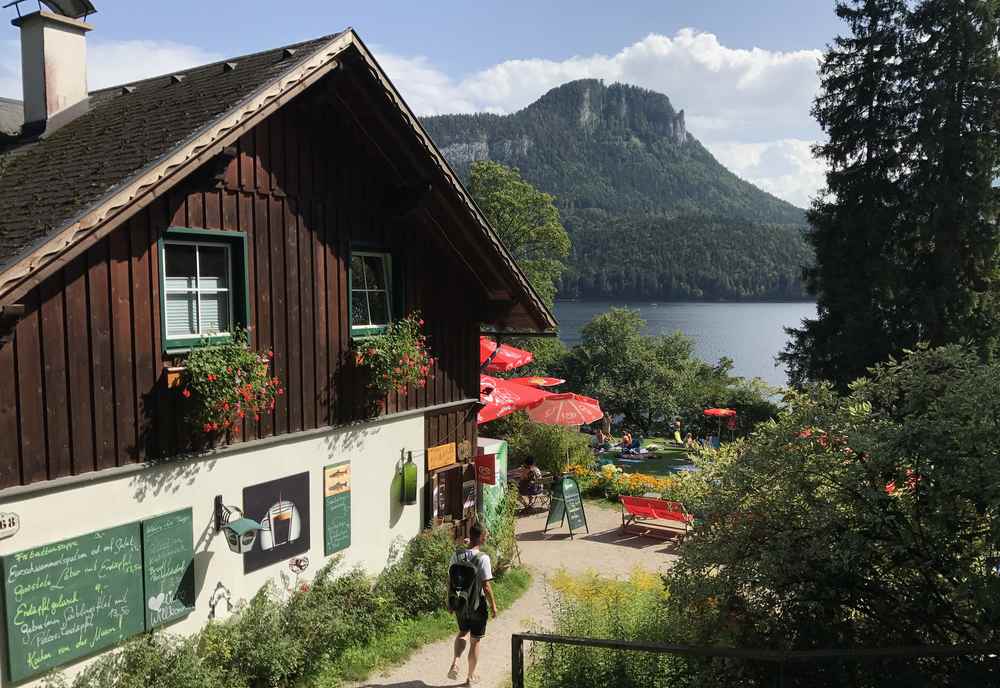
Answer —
(393, 648)
(660, 462)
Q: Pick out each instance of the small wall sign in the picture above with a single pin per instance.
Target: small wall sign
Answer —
(486, 469)
(10, 523)
(440, 456)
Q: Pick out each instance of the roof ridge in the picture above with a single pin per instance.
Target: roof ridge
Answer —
(235, 58)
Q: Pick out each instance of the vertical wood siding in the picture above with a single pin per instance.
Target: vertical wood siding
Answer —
(82, 384)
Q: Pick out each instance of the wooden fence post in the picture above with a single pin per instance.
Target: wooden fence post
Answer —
(517, 661)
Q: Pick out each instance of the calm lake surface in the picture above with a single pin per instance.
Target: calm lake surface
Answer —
(751, 334)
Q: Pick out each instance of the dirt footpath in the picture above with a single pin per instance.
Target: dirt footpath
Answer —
(605, 550)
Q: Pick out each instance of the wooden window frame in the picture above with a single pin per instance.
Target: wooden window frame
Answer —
(361, 331)
(239, 282)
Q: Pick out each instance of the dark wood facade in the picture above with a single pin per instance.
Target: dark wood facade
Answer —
(82, 383)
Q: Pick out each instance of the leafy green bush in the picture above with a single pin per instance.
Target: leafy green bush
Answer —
(416, 579)
(594, 607)
(504, 533)
(149, 661)
(332, 613)
(553, 447)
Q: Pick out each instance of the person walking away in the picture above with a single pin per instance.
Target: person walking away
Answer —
(469, 591)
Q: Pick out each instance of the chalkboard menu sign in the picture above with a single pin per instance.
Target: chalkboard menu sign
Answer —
(168, 567)
(72, 598)
(566, 505)
(336, 507)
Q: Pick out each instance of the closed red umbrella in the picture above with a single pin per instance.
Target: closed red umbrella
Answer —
(502, 358)
(538, 381)
(566, 409)
(503, 397)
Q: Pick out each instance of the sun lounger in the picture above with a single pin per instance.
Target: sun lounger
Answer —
(655, 517)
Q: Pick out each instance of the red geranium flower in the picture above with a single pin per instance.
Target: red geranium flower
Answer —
(186, 393)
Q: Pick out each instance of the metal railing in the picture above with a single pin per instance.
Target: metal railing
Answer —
(780, 659)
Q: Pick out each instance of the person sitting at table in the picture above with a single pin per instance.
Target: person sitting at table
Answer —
(626, 439)
(529, 486)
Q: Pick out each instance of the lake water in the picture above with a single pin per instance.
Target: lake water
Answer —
(751, 334)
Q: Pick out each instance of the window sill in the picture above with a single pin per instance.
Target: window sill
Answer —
(173, 347)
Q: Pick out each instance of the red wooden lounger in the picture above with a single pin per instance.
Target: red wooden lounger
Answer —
(655, 517)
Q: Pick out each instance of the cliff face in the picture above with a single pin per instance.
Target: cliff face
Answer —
(619, 148)
(634, 186)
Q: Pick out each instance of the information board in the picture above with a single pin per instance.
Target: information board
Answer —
(168, 567)
(69, 599)
(336, 507)
(566, 505)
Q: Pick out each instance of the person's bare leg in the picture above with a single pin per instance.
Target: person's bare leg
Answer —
(459, 649)
(473, 660)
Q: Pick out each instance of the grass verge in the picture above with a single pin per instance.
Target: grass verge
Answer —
(357, 663)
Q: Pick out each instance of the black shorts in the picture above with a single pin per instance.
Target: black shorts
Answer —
(476, 623)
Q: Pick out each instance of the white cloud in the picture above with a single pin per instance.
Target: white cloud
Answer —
(749, 107)
(111, 62)
(785, 168)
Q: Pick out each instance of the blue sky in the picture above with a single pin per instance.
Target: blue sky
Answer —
(743, 71)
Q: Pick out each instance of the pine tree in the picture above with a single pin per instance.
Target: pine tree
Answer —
(953, 151)
(853, 222)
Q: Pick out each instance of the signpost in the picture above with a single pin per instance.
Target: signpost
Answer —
(168, 567)
(70, 599)
(566, 505)
(336, 507)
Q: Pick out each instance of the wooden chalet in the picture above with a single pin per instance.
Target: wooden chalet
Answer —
(266, 177)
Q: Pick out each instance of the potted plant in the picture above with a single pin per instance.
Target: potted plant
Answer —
(396, 359)
(224, 384)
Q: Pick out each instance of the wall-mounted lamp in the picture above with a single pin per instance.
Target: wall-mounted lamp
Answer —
(408, 471)
(240, 532)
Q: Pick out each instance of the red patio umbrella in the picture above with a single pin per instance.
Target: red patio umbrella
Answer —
(566, 409)
(721, 413)
(504, 359)
(503, 397)
(538, 381)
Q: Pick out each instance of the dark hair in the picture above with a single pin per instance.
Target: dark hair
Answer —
(476, 533)
(530, 461)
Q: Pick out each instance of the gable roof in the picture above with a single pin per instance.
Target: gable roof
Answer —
(72, 186)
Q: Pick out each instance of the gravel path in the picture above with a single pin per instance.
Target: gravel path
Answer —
(605, 550)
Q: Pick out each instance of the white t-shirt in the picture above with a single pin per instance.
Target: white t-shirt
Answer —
(484, 567)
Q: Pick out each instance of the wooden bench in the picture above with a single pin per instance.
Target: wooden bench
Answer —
(655, 517)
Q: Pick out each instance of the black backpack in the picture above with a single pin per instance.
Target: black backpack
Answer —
(464, 590)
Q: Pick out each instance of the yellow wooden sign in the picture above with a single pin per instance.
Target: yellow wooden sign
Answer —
(440, 456)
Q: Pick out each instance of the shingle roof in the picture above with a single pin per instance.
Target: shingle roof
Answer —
(45, 184)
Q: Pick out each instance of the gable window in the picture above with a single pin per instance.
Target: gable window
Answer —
(203, 286)
(371, 290)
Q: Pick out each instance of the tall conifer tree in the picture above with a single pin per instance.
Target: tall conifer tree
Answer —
(906, 236)
(952, 71)
(861, 110)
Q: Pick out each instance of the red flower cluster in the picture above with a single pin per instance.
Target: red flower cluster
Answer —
(225, 383)
(399, 358)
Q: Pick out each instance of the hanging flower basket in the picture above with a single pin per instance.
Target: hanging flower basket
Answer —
(224, 384)
(398, 358)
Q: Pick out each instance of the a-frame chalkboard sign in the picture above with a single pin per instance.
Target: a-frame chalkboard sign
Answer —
(566, 505)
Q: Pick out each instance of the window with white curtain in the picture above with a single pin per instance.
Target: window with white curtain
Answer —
(197, 289)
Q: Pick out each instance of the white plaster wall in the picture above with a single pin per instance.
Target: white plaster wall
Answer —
(377, 517)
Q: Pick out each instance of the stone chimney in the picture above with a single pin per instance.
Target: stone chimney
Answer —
(53, 64)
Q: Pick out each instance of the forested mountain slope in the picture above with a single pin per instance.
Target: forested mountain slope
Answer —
(651, 213)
